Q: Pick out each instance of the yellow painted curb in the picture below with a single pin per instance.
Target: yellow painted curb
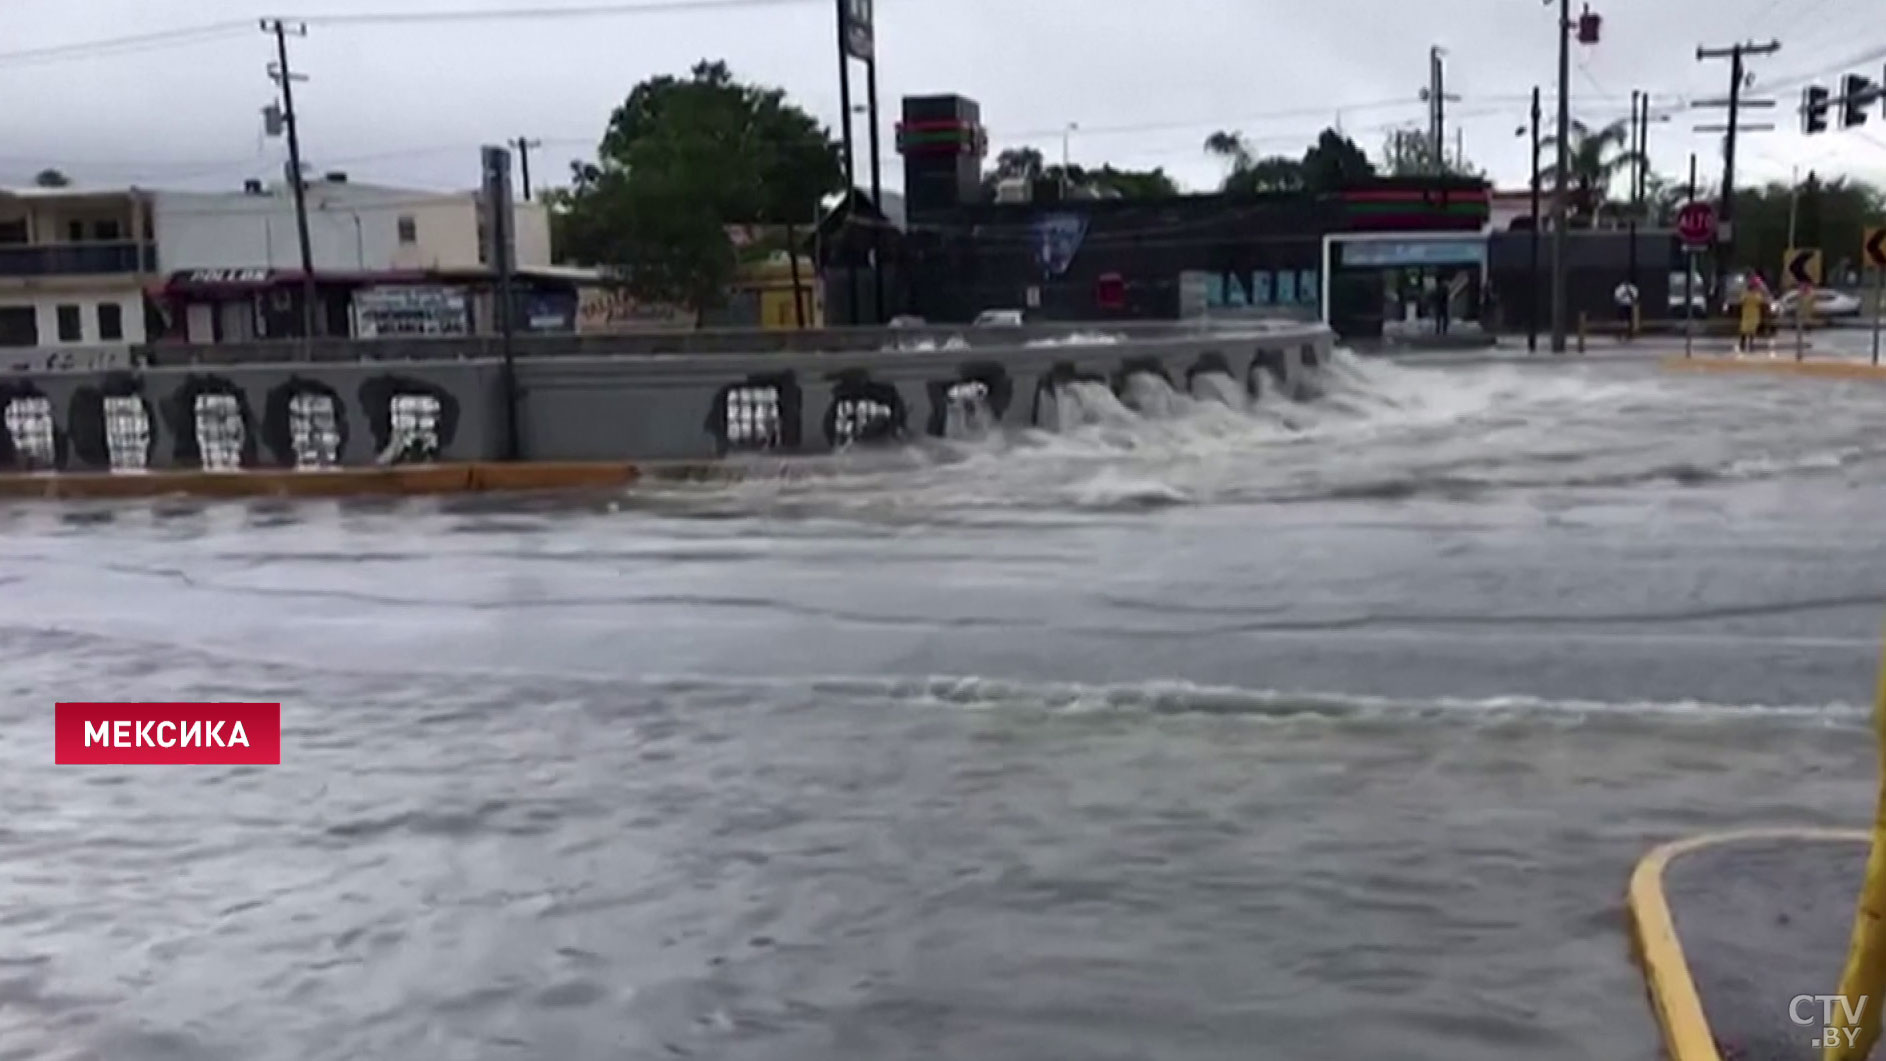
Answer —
(340, 482)
(1673, 997)
(1780, 366)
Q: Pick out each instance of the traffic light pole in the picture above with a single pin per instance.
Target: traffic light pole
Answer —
(1532, 280)
(1558, 183)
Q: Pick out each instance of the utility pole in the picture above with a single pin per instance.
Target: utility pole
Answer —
(1725, 214)
(1640, 114)
(1558, 181)
(877, 188)
(848, 203)
(1532, 280)
(1436, 96)
(287, 78)
(523, 145)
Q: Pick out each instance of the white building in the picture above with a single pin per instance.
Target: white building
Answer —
(351, 228)
(73, 267)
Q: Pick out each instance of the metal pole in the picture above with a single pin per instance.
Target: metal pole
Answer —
(1435, 114)
(289, 118)
(1558, 190)
(1879, 306)
(1532, 286)
(851, 173)
(1800, 300)
(877, 187)
(1689, 276)
(1637, 131)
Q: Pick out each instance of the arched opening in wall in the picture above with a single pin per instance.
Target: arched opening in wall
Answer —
(864, 411)
(127, 432)
(1309, 383)
(1268, 374)
(1068, 397)
(1211, 379)
(219, 431)
(861, 420)
(413, 434)
(1142, 385)
(752, 416)
(968, 411)
(28, 422)
(971, 403)
(314, 430)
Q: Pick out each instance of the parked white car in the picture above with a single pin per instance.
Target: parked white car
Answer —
(1699, 295)
(1828, 304)
(999, 318)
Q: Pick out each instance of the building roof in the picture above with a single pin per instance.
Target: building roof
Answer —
(34, 191)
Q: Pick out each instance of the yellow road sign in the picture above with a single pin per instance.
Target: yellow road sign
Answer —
(1801, 267)
(1874, 247)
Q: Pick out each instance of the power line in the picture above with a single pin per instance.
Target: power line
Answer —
(503, 14)
(112, 46)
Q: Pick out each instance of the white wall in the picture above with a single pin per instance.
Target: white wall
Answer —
(129, 300)
(350, 227)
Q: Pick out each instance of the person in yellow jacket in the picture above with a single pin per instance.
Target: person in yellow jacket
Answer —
(1753, 307)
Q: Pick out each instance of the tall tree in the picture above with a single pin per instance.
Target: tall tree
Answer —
(1594, 160)
(1334, 161)
(1830, 214)
(681, 159)
(1027, 163)
(51, 178)
(1331, 162)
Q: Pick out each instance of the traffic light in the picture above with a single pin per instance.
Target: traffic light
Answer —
(1814, 110)
(1856, 92)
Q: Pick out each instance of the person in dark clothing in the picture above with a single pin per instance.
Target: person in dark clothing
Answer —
(1442, 293)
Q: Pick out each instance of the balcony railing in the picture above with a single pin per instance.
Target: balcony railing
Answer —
(77, 259)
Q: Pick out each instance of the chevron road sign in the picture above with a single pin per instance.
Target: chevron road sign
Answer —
(1801, 267)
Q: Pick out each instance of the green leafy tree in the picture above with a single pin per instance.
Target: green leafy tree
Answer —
(1829, 214)
(1335, 161)
(51, 178)
(681, 159)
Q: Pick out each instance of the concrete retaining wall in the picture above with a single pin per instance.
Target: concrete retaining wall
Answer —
(598, 407)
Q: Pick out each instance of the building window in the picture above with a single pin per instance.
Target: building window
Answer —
(110, 321)
(69, 330)
(107, 231)
(19, 326)
(13, 231)
(408, 229)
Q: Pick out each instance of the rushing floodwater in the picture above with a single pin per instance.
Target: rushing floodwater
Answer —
(1293, 732)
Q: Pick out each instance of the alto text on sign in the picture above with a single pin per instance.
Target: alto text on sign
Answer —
(142, 734)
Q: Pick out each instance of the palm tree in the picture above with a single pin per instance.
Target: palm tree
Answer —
(1593, 162)
(1231, 148)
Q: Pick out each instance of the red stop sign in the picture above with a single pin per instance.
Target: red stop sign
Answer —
(1696, 223)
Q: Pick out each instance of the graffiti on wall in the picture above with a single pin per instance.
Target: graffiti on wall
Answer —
(1057, 239)
(612, 311)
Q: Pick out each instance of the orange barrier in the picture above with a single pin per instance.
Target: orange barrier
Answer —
(332, 482)
(1778, 366)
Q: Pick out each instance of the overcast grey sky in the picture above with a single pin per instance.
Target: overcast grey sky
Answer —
(1145, 82)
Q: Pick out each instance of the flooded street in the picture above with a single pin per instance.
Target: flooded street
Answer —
(1296, 731)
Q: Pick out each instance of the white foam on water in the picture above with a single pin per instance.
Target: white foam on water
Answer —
(1378, 430)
